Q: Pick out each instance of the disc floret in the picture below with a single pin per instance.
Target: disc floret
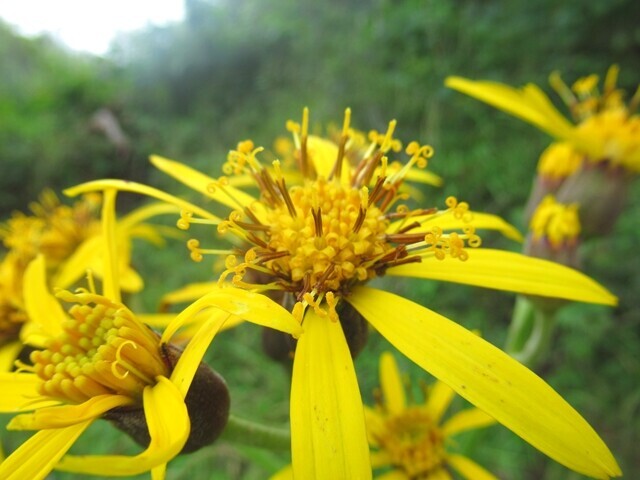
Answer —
(103, 350)
(327, 232)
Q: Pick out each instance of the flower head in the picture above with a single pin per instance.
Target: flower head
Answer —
(100, 361)
(411, 438)
(320, 235)
(606, 129)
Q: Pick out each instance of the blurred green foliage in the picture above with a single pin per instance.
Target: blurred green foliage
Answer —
(239, 69)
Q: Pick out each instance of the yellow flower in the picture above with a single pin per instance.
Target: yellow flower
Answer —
(412, 439)
(69, 238)
(605, 132)
(100, 360)
(321, 239)
(555, 223)
(12, 314)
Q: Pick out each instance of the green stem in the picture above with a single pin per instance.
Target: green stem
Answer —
(252, 434)
(530, 333)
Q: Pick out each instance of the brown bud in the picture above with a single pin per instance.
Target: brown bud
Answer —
(207, 404)
(601, 191)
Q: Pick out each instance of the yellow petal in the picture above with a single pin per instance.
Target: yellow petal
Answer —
(529, 103)
(110, 277)
(8, 354)
(188, 363)
(469, 419)
(36, 457)
(20, 392)
(328, 437)
(395, 475)
(380, 459)
(469, 469)
(439, 399)
(201, 183)
(188, 293)
(130, 280)
(512, 272)
(159, 472)
(323, 153)
(488, 378)
(391, 384)
(375, 425)
(66, 415)
(423, 176)
(76, 265)
(45, 313)
(168, 423)
(447, 221)
(253, 307)
(285, 473)
(144, 213)
(127, 186)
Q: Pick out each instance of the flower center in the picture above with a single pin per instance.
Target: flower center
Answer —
(104, 349)
(413, 442)
(331, 239)
(341, 224)
(555, 222)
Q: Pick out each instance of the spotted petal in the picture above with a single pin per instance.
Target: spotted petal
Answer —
(512, 272)
(328, 436)
(168, 422)
(488, 378)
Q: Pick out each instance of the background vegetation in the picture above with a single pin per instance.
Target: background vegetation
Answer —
(239, 69)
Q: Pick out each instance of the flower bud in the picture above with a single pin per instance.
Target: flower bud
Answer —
(207, 403)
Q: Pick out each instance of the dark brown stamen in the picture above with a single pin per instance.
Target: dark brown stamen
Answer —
(360, 220)
(317, 220)
(405, 238)
(287, 198)
(337, 167)
(408, 227)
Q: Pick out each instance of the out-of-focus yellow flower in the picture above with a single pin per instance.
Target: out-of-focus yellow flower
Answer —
(99, 358)
(69, 239)
(410, 441)
(555, 223)
(322, 238)
(606, 129)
